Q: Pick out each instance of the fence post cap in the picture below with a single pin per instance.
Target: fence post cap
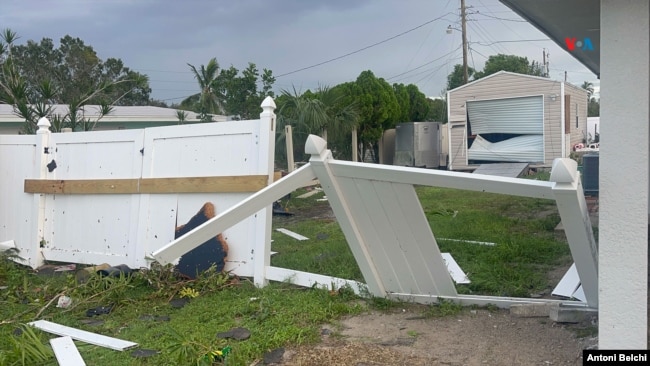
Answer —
(564, 170)
(43, 125)
(268, 103)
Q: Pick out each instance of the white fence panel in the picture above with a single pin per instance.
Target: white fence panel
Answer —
(214, 149)
(18, 210)
(99, 228)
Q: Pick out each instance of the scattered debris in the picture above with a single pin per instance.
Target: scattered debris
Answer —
(569, 286)
(83, 274)
(322, 199)
(66, 352)
(82, 335)
(142, 353)
(157, 318)
(65, 268)
(279, 210)
(6, 245)
(238, 333)
(92, 322)
(311, 193)
(469, 241)
(213, 252)
(454, 269)
(100, 310)
(274, 356)
(179, 303)
(116, 271)
(292, 234)
(64, 302)
(322, 236)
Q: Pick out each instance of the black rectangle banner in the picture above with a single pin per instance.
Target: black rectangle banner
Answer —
(617, 357)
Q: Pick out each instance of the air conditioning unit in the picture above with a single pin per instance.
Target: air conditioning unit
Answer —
(590, 174)
(417, 144)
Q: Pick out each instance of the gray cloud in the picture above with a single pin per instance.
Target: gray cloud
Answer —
(160, 37)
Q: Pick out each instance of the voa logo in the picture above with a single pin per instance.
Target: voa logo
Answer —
(573, 43)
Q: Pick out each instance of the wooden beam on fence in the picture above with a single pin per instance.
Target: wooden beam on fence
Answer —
(243, 183)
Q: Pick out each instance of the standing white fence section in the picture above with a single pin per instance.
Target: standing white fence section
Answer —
(116, 196)
(388, 233)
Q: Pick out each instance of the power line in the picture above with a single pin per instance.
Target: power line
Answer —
(498, 18)
(364, 48)
(512, 41)
(427, 63)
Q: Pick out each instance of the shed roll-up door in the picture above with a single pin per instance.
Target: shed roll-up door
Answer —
(523, 115)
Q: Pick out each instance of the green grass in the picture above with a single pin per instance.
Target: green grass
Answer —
(281, 314)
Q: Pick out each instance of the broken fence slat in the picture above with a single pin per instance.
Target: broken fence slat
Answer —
(454, 269)
(469, 241)
(292, 234)
(568, 284)
(82, 335)
(66, 352)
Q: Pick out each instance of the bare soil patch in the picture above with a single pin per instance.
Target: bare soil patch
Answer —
(473, 337)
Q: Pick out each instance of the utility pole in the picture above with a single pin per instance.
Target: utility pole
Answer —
(464, 29)
(544, 62)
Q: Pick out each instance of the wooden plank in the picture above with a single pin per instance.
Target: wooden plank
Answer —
(243, 183)
(82, 186)
(66, 352)
(82, 335)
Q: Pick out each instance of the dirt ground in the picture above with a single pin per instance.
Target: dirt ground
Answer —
(473, 337)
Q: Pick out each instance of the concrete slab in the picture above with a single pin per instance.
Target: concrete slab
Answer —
(531, 310)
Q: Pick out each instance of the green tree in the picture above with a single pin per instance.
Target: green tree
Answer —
(226, 91)
(209, 101)
(589, 87)
(73, 69)
(456, 77)
(511, 63)
(438, 110)
(378, 108)
(404, 102)
(327, 109)
(593, 108)
(71, 74)
(419, 104)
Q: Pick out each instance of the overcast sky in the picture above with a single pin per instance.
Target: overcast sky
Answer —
(401, 41)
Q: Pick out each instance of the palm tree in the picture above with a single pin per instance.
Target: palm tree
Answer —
(589, 87)
(206, 75)
(323, 112)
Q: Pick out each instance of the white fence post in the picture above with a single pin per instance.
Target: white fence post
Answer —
(262, 251)
(44, 150)
(577, 225)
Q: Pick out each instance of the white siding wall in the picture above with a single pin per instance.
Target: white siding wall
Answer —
(508, 85)
(579, 101)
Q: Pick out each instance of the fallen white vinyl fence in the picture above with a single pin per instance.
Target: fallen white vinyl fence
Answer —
(116, 196)
(380, 214)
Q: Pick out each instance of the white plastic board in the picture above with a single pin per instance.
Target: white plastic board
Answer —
(66, 352)
(82, 335)
(568, 284)
(454, 269)
(292, 234)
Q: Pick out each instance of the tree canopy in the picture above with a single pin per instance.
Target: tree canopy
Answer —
(226, 91)
(73, 70)
(494, 64)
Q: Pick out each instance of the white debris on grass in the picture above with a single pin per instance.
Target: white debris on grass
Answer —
(292, 234)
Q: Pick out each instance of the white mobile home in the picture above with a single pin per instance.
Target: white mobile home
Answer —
(509, 117)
